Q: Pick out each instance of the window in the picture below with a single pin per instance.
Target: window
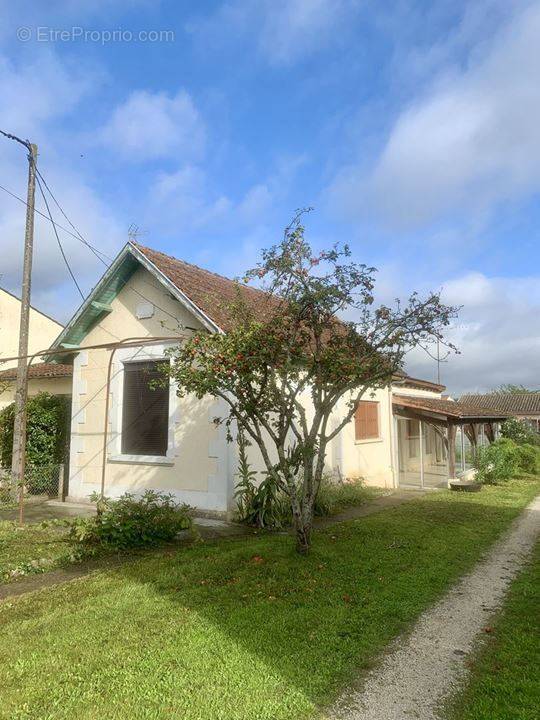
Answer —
(145, 410)
(366, 420)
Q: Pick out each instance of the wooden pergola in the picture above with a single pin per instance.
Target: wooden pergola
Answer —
(445, 416)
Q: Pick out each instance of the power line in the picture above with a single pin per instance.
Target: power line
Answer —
(96, 252)
(61, 227)
(58, 238)
(81, 239)
(10, 136)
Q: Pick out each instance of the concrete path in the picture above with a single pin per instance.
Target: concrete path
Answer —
(421, 671)
(36, 512)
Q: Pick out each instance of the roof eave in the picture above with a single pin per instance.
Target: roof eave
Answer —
(182, 298)
(90, 307)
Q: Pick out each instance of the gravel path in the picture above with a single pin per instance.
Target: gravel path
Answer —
(420, 671)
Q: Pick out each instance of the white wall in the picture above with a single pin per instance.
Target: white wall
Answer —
(196, 469)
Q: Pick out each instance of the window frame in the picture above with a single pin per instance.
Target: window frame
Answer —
(124, 356)
(378, 437)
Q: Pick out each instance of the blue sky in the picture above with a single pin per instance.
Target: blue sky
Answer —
(411, 127)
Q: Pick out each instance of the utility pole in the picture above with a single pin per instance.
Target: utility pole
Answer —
(21, 388)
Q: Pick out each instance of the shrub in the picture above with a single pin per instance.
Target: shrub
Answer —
(520, 432)
(46, 431)
(266, 506)
(336, 496)
(497, 462)
(131, 522)
(528, 458)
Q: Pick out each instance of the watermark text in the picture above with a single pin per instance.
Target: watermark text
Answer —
(45, 34)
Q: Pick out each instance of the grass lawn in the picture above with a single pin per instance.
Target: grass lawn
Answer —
(242, 629)
(29, 549)
(505, 682)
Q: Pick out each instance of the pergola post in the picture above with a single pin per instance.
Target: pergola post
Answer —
(451, 450)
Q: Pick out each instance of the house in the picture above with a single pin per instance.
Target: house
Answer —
(127, 435)
(524, 406)
(43, 330)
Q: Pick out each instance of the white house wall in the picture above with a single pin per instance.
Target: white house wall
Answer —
(200, 467)
(197, 468)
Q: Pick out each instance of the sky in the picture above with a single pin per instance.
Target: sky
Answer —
(412, 128)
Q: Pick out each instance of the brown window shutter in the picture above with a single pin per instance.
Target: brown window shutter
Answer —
(366, 420)
(145, 411)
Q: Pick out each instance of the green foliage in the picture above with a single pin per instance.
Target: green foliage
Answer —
(520, 432)
(291, 343)
(511, 389)
(497, 462)
(131, 522)
(333, 497)
(46, 433)
(266, 506)
(528, 458)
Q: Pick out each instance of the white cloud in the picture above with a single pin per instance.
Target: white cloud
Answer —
(149, 126)
(498, 334)
(36, 97)
(284, 31)
(472, 141)
(39, 91)
(182, 199)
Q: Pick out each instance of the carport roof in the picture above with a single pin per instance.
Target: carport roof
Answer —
(455, 412)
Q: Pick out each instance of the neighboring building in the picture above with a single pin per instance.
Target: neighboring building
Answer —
(524, 406)
(43, 331)
(126, 436)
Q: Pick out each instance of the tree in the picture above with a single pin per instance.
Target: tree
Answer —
(290, 357)
(511, 389)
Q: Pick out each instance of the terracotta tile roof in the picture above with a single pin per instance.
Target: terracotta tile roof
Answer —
(41, 370)
(402, 378)
(213, 293)
(210, 292)
(454, 410)
(511, 403)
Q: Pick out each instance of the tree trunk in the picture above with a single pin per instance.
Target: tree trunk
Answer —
(303, 537)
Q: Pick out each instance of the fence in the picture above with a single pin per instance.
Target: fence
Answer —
(40, 483)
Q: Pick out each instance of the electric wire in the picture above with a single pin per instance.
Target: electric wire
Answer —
(58, 237)
(46, 217)
(96, 252)
(81, 239)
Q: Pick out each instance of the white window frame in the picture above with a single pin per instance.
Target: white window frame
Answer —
(125, 356)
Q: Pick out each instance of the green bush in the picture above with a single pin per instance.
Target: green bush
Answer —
(130, 522)
(520, 432)
(497, 462)
(528, 458)
(333, 497)
(266, 506)
(46, 430)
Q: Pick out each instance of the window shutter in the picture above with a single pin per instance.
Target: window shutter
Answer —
(366, 420)
(145, 410)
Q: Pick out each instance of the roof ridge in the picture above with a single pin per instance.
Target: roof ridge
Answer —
(142, 248)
